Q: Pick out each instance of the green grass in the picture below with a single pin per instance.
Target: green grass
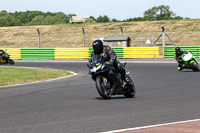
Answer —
(15, 75)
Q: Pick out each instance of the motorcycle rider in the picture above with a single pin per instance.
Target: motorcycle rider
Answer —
(3, 55)
(178, 58)
(110, 56)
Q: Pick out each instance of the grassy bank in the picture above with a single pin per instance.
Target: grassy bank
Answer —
(15, 75)
(182, 32)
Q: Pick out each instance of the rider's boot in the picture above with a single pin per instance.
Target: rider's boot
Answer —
(126, 79)
(181, 67)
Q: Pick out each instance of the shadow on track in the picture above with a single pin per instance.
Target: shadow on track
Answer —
(114, 98)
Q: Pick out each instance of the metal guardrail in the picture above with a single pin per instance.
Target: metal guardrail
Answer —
(37, 53)
(14, 53)
(71, 53)
(80, 53)
(141, 52)
(85, 53)
(170, 51)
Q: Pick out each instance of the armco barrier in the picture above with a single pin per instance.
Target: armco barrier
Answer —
(71, 53)
(170, 51)
(80, 53)
(37, 53)
(141, 52)
(90, 51)
(14, 53)
(117, 50)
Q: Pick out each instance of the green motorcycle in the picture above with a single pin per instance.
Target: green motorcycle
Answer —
(190, 61)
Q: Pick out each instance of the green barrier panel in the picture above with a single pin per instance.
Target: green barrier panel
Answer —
(170, 51)
(37, 53)
(118, 51)
(90, 51)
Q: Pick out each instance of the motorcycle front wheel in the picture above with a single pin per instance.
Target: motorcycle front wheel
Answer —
(195, 67)
(103, 90)
(11, 62)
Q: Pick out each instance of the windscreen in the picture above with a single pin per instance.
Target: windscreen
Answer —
(187, 57)
(96, 59)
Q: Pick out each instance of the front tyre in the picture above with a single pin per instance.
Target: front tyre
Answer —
(11, 62)
(104, 92)
(130, 89)
(195, 67)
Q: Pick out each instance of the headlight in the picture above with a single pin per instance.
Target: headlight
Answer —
(99, 66)
(94, 69)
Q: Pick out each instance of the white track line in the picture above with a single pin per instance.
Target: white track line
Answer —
(158, 125)
(38, 81)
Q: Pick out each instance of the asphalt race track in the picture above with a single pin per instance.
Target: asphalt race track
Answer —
(73, 105)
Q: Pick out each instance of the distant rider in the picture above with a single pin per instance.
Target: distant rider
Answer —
(109, 55)
(3, 55)
(177, 56)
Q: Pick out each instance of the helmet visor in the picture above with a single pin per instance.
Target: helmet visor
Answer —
(97, 49)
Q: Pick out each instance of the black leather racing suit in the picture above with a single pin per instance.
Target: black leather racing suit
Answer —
(111, 57)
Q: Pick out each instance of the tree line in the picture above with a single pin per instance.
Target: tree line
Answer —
(158, 13)
(155, 13)
(33, 18)
(40, 18)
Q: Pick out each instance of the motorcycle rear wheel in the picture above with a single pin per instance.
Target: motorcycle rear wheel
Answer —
(103, 91)
(130, 90)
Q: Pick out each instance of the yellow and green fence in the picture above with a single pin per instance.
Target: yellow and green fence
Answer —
(80, 53)
(71, 53)
(85, 53)
(37, 53)
(15, 53)
(170, 51)
(141, 52)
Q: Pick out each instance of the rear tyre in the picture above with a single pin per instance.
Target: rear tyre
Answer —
(130, 90)
(195, 67)
(104, 92)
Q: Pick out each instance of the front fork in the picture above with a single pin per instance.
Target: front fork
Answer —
(195, 61)
(105, 82)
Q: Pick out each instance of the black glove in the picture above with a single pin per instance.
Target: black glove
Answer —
(90, 60)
